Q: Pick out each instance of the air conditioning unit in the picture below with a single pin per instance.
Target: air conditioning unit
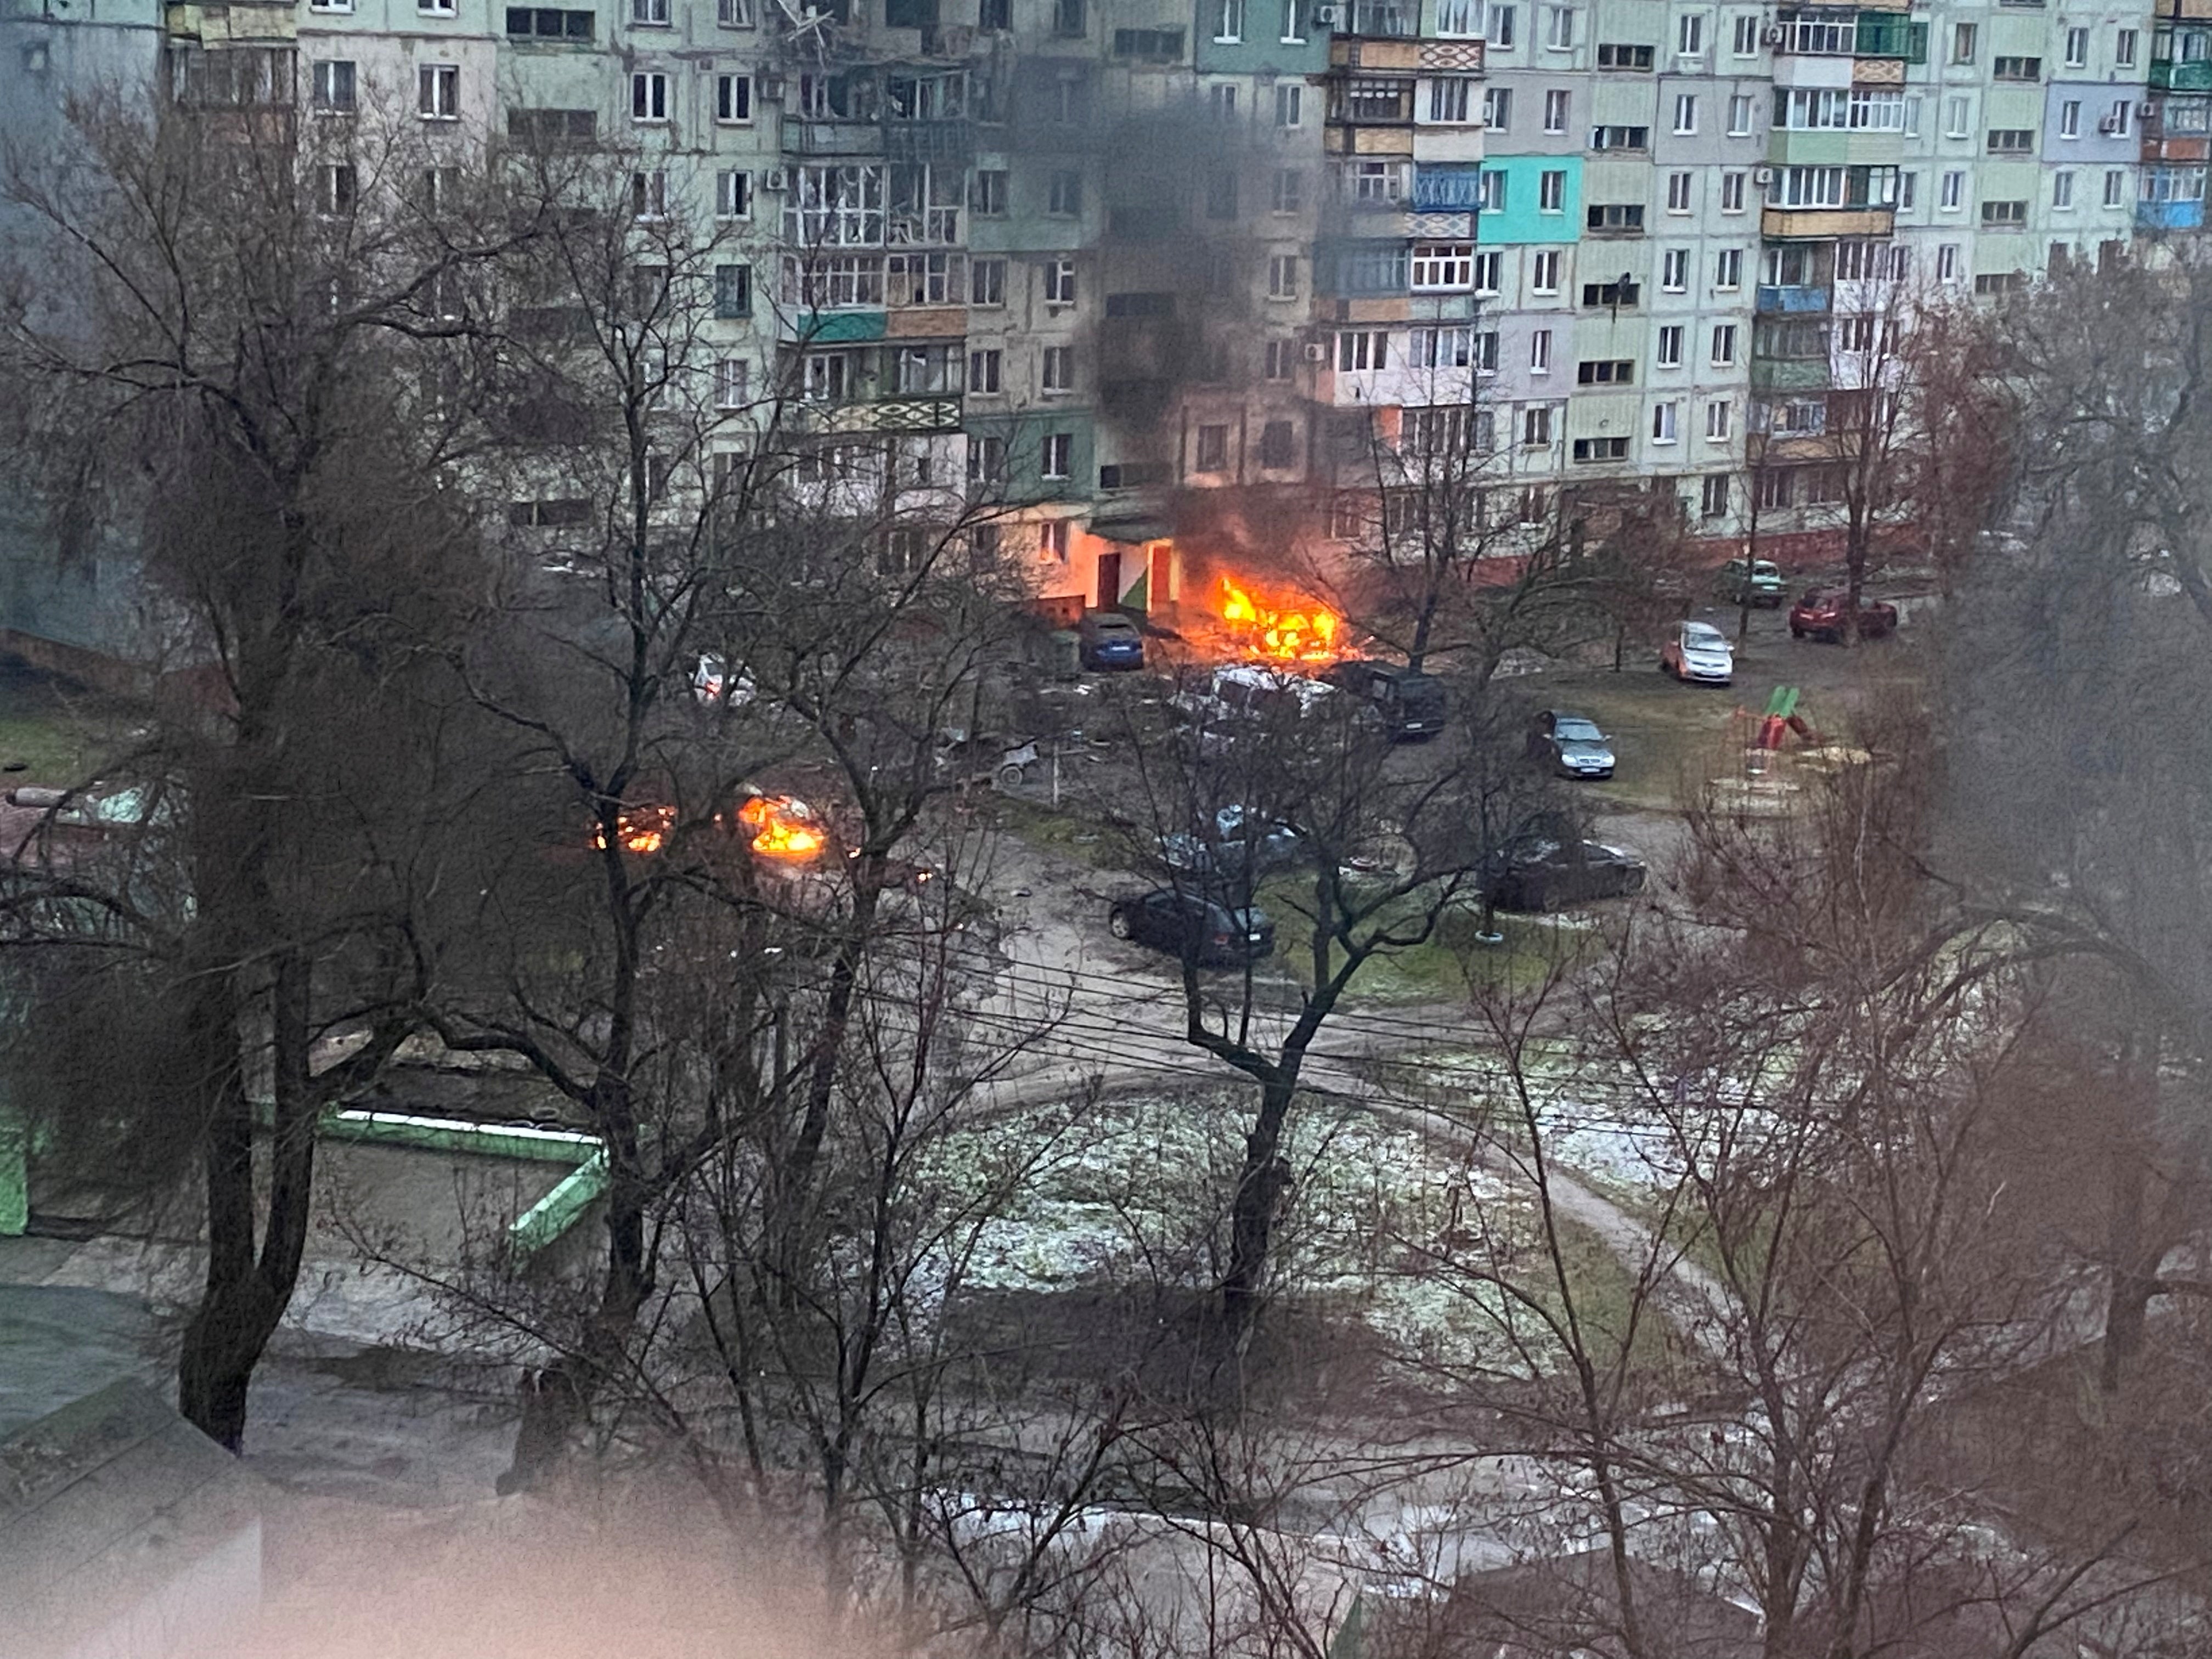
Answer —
(1316, 352)
(1762, 177)
(2144, 111)
(2108, 126)
(775, 179)
(1772, 36)
(1328, 17)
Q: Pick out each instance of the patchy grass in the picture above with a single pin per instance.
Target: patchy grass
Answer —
(1663, 734)
(1447, 964)
(1062, 832)
(54, 732)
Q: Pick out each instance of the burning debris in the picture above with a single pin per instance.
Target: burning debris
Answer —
(783, 826)
(643, 830)
(1294, 631)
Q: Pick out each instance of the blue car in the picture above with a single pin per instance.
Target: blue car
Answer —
(1110, 639)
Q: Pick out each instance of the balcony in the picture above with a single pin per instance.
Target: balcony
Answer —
(833, 138)
(1789, 374)
(2190, 76)
(1446, 189)
(1825, 224)
(2169, 215)
(1788, 298)
(950, 141)
(940, 414)
(1890, 34)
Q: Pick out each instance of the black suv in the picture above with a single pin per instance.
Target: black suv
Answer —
(1538, 872)
(1196, 928)
(1409, 705)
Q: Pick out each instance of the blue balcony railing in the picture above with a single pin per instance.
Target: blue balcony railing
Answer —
(1785, 297)
(2169, 215)
(1446, 189)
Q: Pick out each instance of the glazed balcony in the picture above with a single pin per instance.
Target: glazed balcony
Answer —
(1789, 299)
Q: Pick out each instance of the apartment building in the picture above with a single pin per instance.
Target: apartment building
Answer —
(1167, 276)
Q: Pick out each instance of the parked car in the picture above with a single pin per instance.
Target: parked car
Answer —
(1570, 744)
(1409, 705)
(1822, 611)
(1237, 846)
(1193, 928)
(1751, 582)
(1242, 699)
(1109, 639)
(1698, 651)
(715, 687)
(1541, 872)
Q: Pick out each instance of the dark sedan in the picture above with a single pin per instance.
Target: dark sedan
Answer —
(1571, 745)
(1110, 639)
(1192, 927)
(1823, 610)
(1542, 874)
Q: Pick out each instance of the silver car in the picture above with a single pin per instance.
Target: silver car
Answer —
(1698, 651)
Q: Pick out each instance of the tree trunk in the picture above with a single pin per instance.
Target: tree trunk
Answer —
(1260, 1189)
(246, 1289)
(2131, 1279)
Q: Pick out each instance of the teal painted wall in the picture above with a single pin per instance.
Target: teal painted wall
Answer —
(1519, 220)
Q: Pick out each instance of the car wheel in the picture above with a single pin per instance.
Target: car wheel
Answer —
(1008, 778)
(1117, 922)
(1795, 632)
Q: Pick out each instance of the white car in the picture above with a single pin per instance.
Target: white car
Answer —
(1240, 698)
(1698, 651)
(715, 687)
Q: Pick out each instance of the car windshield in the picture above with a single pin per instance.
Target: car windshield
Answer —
(1765, 568)
(1699, 637)
(1578, 730)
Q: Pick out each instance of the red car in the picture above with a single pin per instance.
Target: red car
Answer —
(1821, 613)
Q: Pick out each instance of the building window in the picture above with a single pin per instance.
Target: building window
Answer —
(1600, 449)
(1057, 459)
(1221, 101)
(2115, 187)
(1740, 116)
(1620, 138)
(1962, 43)
(1280, 362)
(1290, 193)
(2123, 49)
(1686, 112)
(1678, 192)
(335, 185)
(733, 99)
(2004, 67)
(2117, 122)
(1067, 16)
(1745, 41)
(1210, 453)
(1670, 346)
(648, 96)
(1362, 348)
(1713, 495)
(1624, 57)
(1283, 276)
(733, 196)
(1544, 271)
(1952, 196)
(1540, 351)
(1557, 110)
(1725, 345)
(1690, 34)
(986, 282)
(333, 91)
(1674, 270)
(1536, 427)
(1626, 217)
(1445, 267)
(1290, 105)
(1377, 181)
(1278, 445)
(1065, 197)
(1294, 23)
(1446, 348)
(733, 290)
(2069, 119)
(1055, 539)
(987, 460)
(1613, 295)
(438, 91)
(732, 381)
(1731, 193)
(2004, 213)
(1490, 190)
(1958, 117)
(987, 193)
(985, 369)
(648, 194)
(733, 14)
(435, 8)
(1552, 192)
(1498, 33)
(1449, 101)
(1718, 420)
(1060, 282)
(1227, 21)
(1604, 371)
(1946, 262)
(1559, 28)
(2011, 140)
(1459, 18)
(1056, 371)
(1727, 269)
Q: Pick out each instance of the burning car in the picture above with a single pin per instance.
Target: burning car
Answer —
(1286, 631)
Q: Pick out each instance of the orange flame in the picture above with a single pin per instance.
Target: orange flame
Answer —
(783, 827)
(1306, 634)
(643, 830)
